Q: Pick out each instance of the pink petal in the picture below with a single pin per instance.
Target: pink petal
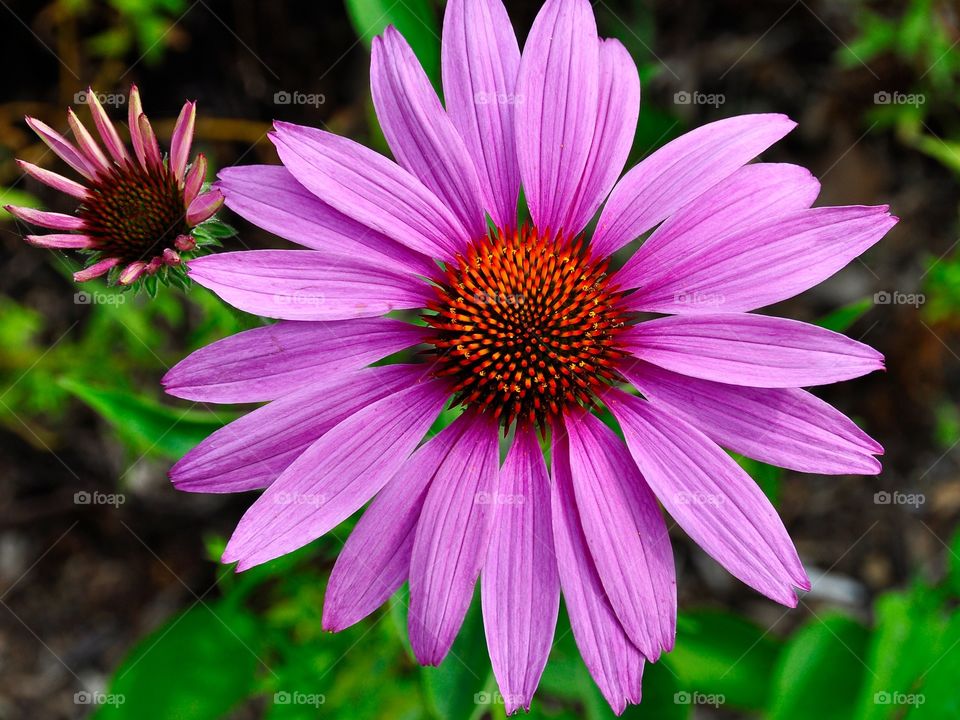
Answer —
(94, 155)
(335, 476)
(559, 87)
(196, 176)
(62, 148)
(616, 124)
(52, 179)
(268, 362)
(203, 207)
(680, 171)
(481, 60)
(752, 195)
(614, 662)
(375, 561)
(133, 272)
(270, 197)
(711, 498)
(520, 587)
(451, 540)
(182, 139)
(786, 427)
(763, 263)
(151, 147)
(626, 534)
(61, 241)
(753, 350)
(134, 111)
(421, 136)
(370, 189)
(52, 220)
(96, 270)
(108, 133)
(306, 284)
(251, 452)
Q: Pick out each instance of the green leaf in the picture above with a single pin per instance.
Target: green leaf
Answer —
(9, 196)
(719, 654)
(938, 698)
(457, 689)
(768, 477)
(841, 319)
(146, 425)
(821, 671)
(196, 667)
(415, 19)
(953, 562)
(909, 628)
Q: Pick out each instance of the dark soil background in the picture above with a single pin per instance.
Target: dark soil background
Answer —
(80, 584)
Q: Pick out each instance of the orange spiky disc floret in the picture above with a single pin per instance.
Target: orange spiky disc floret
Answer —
(526, 324)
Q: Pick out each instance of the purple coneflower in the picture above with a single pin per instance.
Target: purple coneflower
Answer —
(525, 329)
(137, 211)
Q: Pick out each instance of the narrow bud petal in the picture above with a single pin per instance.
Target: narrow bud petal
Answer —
(131, 273)
(134, 111)
(195, 178)
(182, 139)
(62, 147)
(54, 180)
(154, 265)
(150, 145)
(87, 144)
(52, 220)
(170, 257)
(68, 241)
(204, 207)
(96, 270)
(108, 132)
